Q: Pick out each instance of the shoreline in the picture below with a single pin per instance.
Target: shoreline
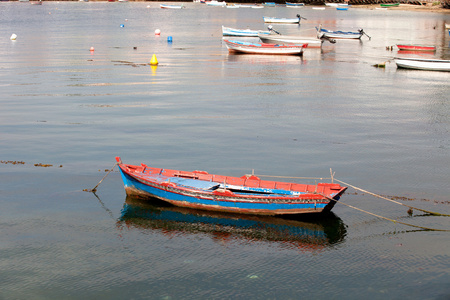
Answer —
(408, 7)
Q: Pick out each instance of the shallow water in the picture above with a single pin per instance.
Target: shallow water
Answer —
(382, 129)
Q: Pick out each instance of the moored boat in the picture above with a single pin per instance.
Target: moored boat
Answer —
(244, 195)
(283, 20)
(340, 34)
(423, 64)
(277, 38)
(263, 48)
(166, 6)
(286, 39)
(227, 31)
(216, 3)
(409, 47)
(294, 4)
(389, 4)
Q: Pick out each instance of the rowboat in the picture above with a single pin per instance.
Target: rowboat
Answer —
(341, 8)
(415, 47)
(336, 4)
(39, 2)
(276, 38)
(290, 39)
(389, 4)
(216, 3)
(227, 31)
(263, 48)
(270, 4)
(283, 20)
(166, 6)
(294, 5)
(243, 195)
(423, 64)
(339, 34)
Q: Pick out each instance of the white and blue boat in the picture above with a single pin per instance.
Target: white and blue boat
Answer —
(294, 4)
(283, 20)
(321, 33)
(227, 31)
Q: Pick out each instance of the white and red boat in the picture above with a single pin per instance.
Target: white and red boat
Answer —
(410, 47)
(263, 48)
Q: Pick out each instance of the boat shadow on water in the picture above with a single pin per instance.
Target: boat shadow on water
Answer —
(307, 233)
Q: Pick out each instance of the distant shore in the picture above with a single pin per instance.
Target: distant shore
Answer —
(409, 7)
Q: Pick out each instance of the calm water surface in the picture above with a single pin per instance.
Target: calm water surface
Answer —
(382, 129)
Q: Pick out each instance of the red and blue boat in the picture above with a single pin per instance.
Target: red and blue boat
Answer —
(244, 195)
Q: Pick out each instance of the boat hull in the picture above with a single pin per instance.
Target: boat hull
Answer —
(149, 183)
(415, 47)
(423, 64)
(273, 49)
(281, 20)
(227, 31)
(352, 35)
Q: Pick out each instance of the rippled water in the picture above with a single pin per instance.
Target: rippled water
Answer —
(382, 129)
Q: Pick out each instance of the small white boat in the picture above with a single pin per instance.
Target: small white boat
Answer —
(423, 64)
(216, 3)
(318, 7)
(256, 48)
(294, 4)
(340, 34)
(227, 31)
(290, 39)
(166, 6)
(283, 20)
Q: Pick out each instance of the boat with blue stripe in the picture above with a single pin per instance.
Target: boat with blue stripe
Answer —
(246, 195)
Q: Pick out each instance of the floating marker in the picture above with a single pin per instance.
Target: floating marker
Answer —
(121, 25)
(92, 49)
(13, 36)
(154, 61)
(157, 32)
(169, 39)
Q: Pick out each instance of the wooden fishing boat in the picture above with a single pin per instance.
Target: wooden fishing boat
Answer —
(166, 6)
(283, 20)
(263, 48)
(341, 8)
(339, 34)
(290, 39)
(227, 31)
(294, 5)
(423, 64)
(389, 4)
(410, 47)
(269, 4)
(244, 195)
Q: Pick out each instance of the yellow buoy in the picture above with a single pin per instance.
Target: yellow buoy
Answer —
(154, 61)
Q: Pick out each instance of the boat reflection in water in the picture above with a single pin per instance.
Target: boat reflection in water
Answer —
(310, 233)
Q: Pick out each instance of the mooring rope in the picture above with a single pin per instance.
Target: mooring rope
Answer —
(387, 199)
(359, 189)
(392, 220)
(95, 188)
